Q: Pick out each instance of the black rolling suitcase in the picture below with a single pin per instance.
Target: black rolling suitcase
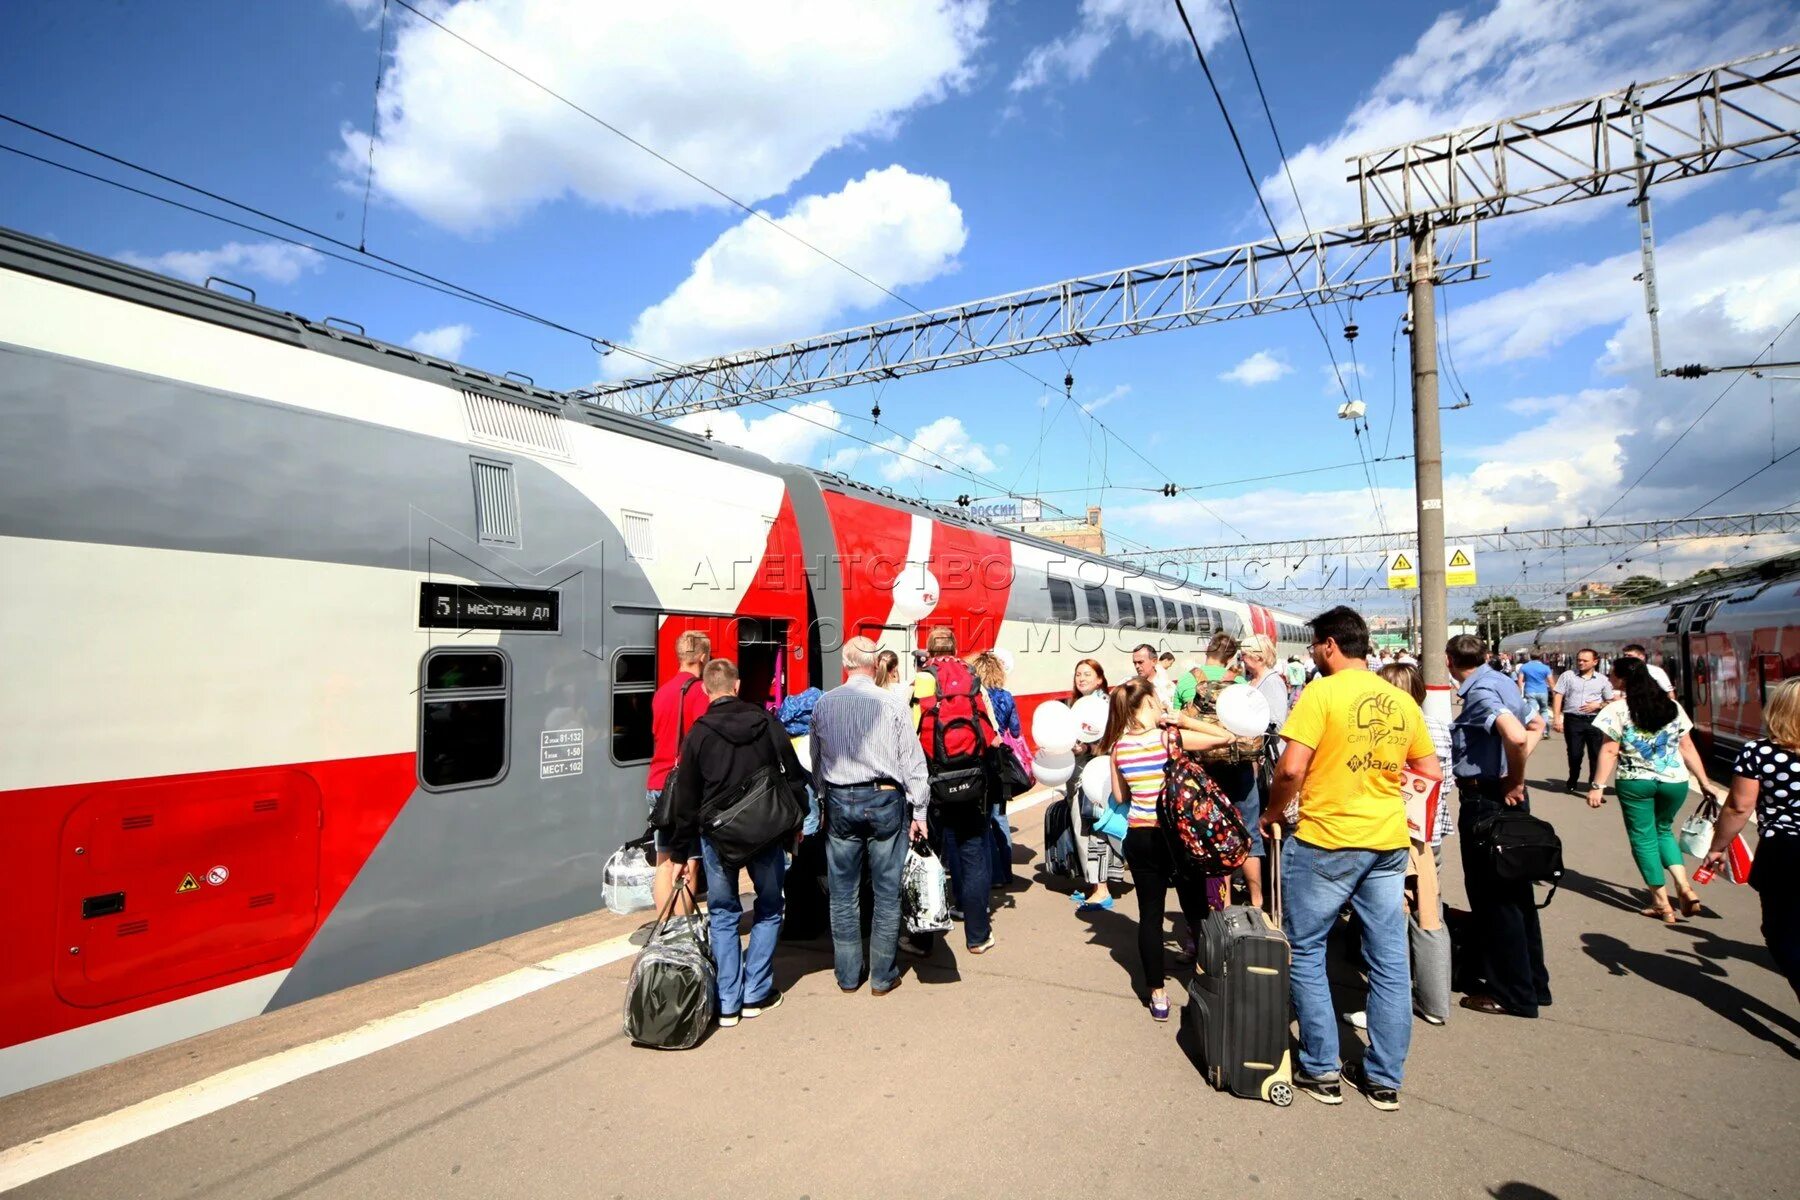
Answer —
(1235, 1023)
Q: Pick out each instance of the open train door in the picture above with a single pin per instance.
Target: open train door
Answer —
(901, 639)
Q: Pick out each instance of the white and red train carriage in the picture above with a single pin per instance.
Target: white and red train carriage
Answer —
(326, 658)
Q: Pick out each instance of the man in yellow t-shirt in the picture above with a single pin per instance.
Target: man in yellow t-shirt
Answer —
(1349, 738)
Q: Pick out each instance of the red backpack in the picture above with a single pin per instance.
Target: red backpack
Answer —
(955, 734)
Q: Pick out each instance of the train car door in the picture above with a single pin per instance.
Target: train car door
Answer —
(900, 639)
(762, 658)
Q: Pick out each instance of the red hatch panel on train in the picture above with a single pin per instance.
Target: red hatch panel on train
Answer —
(166, 883)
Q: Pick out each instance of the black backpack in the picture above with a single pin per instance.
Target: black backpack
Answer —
(1520, 846)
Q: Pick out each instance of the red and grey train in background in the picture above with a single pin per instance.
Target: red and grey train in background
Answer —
(326, 658)
(1724, 644)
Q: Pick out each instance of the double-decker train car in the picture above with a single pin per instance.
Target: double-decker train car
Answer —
(327, 658)
(1724, 645)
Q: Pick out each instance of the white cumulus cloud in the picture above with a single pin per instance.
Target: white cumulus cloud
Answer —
(1261, 367)
(755, 285)
(941, 441)
(747, 96)
(793, 435)
(446, 341)
(1100, 23)
(277, 262)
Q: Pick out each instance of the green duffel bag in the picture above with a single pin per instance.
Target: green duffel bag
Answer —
(670, 1001)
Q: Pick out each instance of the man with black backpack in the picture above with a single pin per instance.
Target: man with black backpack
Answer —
(731, 743)
(957, 732)
(1492, 737)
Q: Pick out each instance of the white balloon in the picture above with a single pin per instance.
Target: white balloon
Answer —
(1096, 781)
(915, 593)
(803, 751)
(1244, 710)
(1052, 768)
(1090, 717)
(1053, 726)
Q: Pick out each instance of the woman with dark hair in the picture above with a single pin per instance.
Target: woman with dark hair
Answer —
(1101, 862)
(1648, 740)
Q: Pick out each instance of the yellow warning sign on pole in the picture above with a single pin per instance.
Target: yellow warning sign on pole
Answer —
(1402, 569)
(1459, 566)
(189, 883)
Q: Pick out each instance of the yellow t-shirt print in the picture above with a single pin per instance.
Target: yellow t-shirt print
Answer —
(1362, 731)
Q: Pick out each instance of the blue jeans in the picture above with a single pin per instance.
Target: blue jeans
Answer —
(745, 975)
(1540, 701)
(1316, 883)
(865, 822)
(969, 858)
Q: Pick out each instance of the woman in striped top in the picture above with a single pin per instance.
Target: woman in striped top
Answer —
(1139, 757)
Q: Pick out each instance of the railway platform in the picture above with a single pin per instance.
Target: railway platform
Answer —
(1666, 1067)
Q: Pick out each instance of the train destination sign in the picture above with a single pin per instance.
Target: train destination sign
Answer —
(480, 606)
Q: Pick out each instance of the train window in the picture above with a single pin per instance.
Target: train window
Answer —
(464, 707)
(634, 666)
(1127, 610)
(1097, 612)
(1170, 620)
(634, 685)
(1189, 621)
(1148, 606)
(1062, 600)
(1205, 620)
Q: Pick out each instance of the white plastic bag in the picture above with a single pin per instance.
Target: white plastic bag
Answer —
(626, 884)
(924, 891)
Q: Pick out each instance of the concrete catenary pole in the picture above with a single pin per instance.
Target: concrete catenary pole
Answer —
(1428, 463)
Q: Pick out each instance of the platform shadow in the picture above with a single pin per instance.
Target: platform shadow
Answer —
(1703, 983)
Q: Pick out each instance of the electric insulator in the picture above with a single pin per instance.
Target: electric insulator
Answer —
(1350, 332)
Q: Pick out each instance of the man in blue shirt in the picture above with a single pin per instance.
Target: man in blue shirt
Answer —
(1534, 680)
(1491, 740)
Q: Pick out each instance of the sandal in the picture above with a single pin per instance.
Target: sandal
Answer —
(1690, 905)
(1667, 914)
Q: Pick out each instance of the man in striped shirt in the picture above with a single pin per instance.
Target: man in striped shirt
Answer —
(870, 771)
(1580, 695)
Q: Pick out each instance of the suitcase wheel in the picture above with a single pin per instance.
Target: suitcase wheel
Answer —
(1280, 1095)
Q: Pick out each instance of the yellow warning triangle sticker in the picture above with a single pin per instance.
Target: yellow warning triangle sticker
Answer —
(189, 883)
(1459, 559)
(1400, 563)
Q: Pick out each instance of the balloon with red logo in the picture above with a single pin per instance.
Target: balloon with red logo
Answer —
(915, 593)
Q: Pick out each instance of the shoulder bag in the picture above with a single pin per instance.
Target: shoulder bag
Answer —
(662, 816)
(762, 810)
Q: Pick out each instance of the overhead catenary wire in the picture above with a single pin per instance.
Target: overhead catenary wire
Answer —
(753, 212)
(362, 240)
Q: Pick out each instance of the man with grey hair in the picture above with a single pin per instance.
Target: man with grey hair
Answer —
(869, 768)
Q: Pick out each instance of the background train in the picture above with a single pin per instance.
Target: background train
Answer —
(1724, 645)
(327, 658)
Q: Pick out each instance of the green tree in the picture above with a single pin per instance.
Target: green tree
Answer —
(1634, 589)
(1499, 616)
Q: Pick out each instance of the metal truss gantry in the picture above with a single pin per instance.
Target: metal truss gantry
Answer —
(1731, 115)
(1272, 275)
(1694, 124)
(1563, 537)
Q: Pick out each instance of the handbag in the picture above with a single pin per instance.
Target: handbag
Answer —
(1521, 847)
(760, 812)
(662, 814)
(1015, 764)
(1696, 833)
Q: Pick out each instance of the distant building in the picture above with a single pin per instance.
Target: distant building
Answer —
(1077, 533)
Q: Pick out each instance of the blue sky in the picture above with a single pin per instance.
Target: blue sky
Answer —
(953, 149)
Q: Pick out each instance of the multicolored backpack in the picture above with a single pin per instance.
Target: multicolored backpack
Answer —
(1206, 834)
(1206, 707)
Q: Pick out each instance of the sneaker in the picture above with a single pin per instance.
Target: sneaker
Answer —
(772, 1000)
(1325, 1090)
(1357, 1020)
(727, 1020)
(1387, 1099)
(1426, 1017)
(983, 947)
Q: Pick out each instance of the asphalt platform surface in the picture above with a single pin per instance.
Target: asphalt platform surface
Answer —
(1668, 1066)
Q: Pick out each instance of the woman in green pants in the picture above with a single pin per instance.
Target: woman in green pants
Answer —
(1648, 740)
